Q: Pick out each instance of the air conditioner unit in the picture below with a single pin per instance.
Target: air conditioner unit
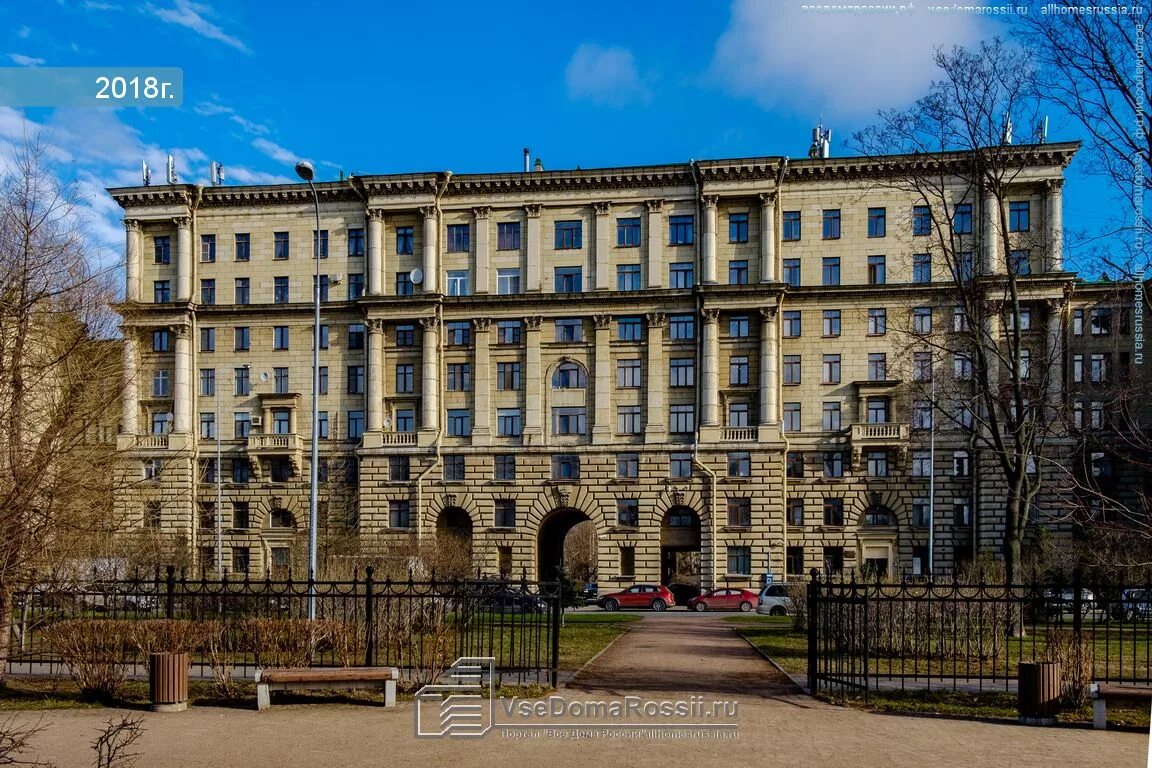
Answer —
(257, 421)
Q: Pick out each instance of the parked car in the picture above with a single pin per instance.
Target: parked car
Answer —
(591, 593)
(724, 599)
(654, 596)
(511, 600)
(1056, 605)
(774, 601)
(1134, 605)
(684, 592)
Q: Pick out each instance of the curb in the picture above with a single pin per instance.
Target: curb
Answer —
(772, 661)
(599, 653)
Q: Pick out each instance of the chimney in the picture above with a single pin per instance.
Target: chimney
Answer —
(527, 160)
(539, 165)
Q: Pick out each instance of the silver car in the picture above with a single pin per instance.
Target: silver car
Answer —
(774, 601)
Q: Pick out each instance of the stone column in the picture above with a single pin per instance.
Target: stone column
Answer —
(1054, 225)
(130, 405)
(993, 258)
(431, 236)
(182, 380)
(483, 242)
(532, 252)
(375, 252)
(656, 267)
(708, 241)
(768, 237)
(183, 258)
(375, 374)
(133, 245)
(603, 276)
(655, 376)
(602, 370)
(430, 385)
(481, 382)
(769, 373)
(533, 382)
(709, 369)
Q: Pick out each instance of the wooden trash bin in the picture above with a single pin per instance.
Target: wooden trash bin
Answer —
(168, 681)
(1039, 689)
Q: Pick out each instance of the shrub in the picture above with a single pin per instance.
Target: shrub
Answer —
(167, 635)
(798, 594)
(284, 642)
(97, 651)
(1068, 648)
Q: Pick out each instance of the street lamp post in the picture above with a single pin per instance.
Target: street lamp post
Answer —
(305, 171)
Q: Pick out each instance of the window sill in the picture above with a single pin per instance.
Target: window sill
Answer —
(502, 529)
(736, 528)
(624, 529)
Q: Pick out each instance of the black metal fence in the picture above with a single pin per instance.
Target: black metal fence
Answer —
(421, 627)
(866, 635)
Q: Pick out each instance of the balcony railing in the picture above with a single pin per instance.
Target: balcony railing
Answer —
(887, 431)
(153, 441)
(273, 442)
(739, 435)
(399, 438)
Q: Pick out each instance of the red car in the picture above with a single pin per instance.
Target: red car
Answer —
(724, 599)
(654, 596)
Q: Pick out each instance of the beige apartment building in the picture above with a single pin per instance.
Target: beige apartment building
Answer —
(709, 361)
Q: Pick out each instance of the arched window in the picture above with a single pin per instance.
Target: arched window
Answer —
(281, 518)
(878, 516)
(569, 376)
(680, 517)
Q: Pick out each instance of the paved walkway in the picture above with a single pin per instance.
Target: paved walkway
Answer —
(670, 656)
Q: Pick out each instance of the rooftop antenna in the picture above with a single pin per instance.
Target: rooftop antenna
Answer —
(217, 174)
(527, 159)
(172, 170)
(1042, 130)
(145, 173)
(821, 142)
(1007, 137)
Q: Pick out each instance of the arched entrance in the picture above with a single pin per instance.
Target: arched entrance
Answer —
(554, 529)
(454, 542)
(680, 552)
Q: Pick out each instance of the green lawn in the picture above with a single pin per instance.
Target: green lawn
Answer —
(586, 634)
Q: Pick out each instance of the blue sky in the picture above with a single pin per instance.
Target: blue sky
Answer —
(393, 87)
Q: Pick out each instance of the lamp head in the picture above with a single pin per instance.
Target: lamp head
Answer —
(305, 171)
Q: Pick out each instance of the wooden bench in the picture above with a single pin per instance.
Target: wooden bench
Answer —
(1102, 693)
(325, 678)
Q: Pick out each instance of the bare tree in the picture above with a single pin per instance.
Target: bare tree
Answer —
(580, 551)
(113, 745)
(58, 381)
(15, 740)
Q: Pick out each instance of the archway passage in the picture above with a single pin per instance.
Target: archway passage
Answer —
(553, 531)
(454, 542)
(680, 552)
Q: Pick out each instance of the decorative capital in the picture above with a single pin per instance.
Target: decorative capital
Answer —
(430, 323)
(603, 208)
(654, 206)
(710, 201)
(1056, 305)
(428, 211)
(533, 323)
(769, 313)
(602, 322)
(132, 225)
(711, 315)
(376, 214)
(768, 199)
(655, 319)
(532, 210)
(482, 211)
(1054, 185)
(481, 323)
(374, 325)
(183, 222)
(181, 331)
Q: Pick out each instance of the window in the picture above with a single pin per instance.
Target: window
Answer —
(459, 377)
(738, 414)
(405, 335)
(877, 222)
(921, 220)
(740, 561)
(738, 326)
(161, 423)
(280, 377)
(405, 378)
(738, 371)
(739, 464)
(504, 467)
(831, 369)
(834, 512)
(508, 332)
(505, 516)
(1100, 321)
(877, 322)
(737, 227)
(794, 562)
(323, 371)
(962, 219)
(791, 417)
(961, 464)
(628, 232)
(162, 340)
(569, 421)
(628, 512)
(682, 275)
(922, 320)
(877, 410)
(1099, 367)
(243, 291)
(629, 329)
(628, 373)
(1078, 368)
(962, 366)
(355, 285)
(508, 377)
(877, 516)
(280, 421)
(794, 465)
(877, 273)
(792, 272)
(404, 284)
(320, 244)
(681, 230)
(876, 463)
(160, 383)
(208, 248)
(243, 384)
(682, 372)
(682, 419)
(456, 282)
(208, 292)
(921, 267)
(162, 291)
(877, 366)
(355, 242)
(399, 514)
(322, 431)
(241, 471)
(1020, 261)
(243, 246)
(241, 559)
(628, 277)
(791, 229)
(508, 422)
(207, 382)
(1019, 216)
(565, 466)
(356, 336)
(832, 224)
(280, 245)
(405, 420)
(1024, 320)
(242, 336)
(569, 280)
(959, 319)
(323, 284)
(791, 369)
(404, 244)
(830, 270)
(508, 236)
(458, 238)
(458, 333)
(454, 469)
(568, 235)
(965, 266)
(355, 425)
(794, 512)
(324, 335)
(1096, 415)
(738, 272)
(833, 464)
(280, 290)
(680, 465)
(833, 559)
(208, 426)
(459, 422)
(792, 326)
(627, 562)
(507, 282)
(570, 330)
(962, 513)
(831, 417)
(681, 327)
(921, 463)
(831, 322)
(922, 414)
(280, 337)
(162, 249)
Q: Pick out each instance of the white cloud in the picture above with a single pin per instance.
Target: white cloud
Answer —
(24, 32)
(604, 76)
(840, 65)
(92, 5)
(244, 175)
(276, 152)
(191, 15)
(209, 109)
(25, 61)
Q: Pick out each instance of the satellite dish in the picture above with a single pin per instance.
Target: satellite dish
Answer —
(416, 276)
(387, 423)
(264, 376)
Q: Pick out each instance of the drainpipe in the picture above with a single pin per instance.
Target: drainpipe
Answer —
(779, 388)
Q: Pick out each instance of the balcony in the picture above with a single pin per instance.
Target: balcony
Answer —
(273, 445)
(887, 433)
(398, 438)
(739, 435)
(153, 442)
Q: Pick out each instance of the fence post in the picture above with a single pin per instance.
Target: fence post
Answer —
(557, 607)
(369, 619)
(170, 597)
(1077, 605)
(813, 634)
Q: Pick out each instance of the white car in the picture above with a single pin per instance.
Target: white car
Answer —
(774, 601)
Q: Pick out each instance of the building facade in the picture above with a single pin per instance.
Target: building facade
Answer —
(709, 361)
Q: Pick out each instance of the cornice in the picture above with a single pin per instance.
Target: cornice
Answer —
(836, 168)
